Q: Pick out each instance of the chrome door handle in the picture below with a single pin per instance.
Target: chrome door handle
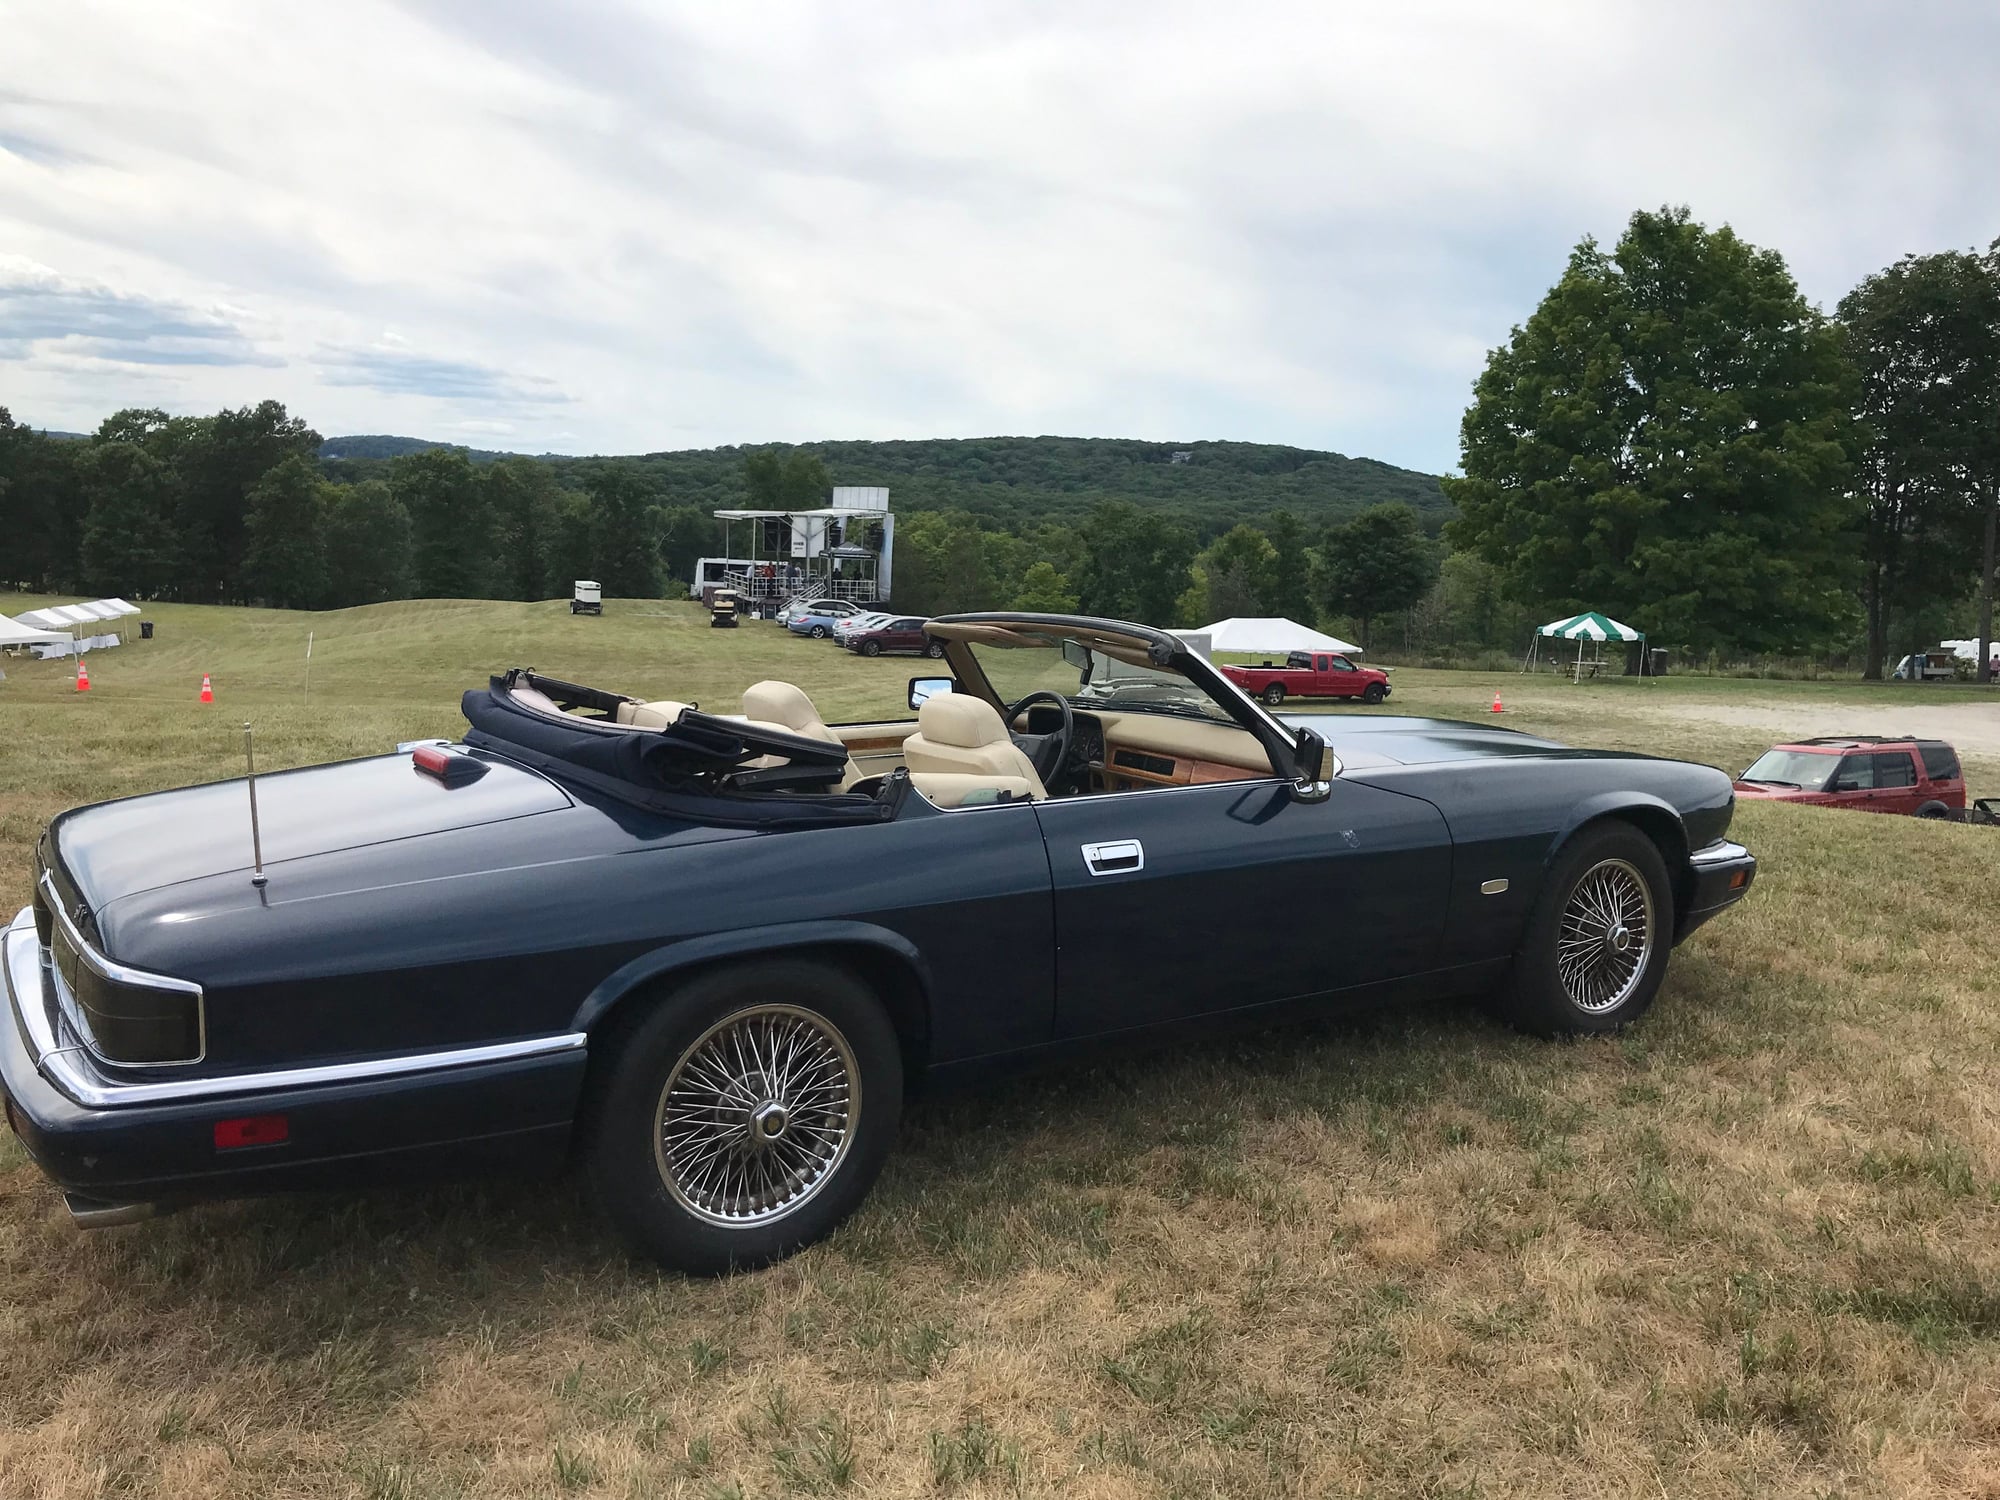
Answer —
(1119, 857)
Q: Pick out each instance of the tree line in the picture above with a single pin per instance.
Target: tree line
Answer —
(1676, 436)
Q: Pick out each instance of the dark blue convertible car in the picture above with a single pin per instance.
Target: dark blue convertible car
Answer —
(576, 933)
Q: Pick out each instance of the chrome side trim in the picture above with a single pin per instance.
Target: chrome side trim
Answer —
(118, 973)
(1721, 852)
(63, 1067)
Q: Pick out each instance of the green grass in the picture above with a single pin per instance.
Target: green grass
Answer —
(1747, 1248)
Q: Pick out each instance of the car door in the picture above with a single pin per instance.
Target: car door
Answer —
(1192, 900)
(1896, 788)
(1345, 679)
(1853, 785)
(906, 635)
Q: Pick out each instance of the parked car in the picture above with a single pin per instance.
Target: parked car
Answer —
(842, 629)
(1873, 773)
(830, 608)
(904, 634)
(1311, 674)
(819, 620)
(581, 933)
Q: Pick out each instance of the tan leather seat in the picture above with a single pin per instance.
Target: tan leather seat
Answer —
(962, 735)
(661, 713)
(785, 707)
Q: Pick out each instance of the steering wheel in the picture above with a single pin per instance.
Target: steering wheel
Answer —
(1049, 752)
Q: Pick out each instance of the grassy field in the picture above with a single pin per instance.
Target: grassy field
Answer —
(1750, 1248)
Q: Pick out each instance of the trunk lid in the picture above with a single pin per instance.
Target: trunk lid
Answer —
(118, 849)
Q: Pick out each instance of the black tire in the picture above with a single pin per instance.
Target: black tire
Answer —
(1933, 810)
(1374, 693)
(655, 1210)
(871, 648)
(1535, 996)
(1274, 694)
(819, 632)
(934, 650)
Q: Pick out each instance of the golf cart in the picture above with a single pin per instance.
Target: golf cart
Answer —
(588, 598)
(722, 608)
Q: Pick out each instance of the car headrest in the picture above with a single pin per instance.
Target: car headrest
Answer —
(960, 719)
(780, 703)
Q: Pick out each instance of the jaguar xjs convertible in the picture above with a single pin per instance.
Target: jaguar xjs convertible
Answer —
(707, 955)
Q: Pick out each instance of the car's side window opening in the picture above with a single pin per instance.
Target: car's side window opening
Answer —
(1894, 768)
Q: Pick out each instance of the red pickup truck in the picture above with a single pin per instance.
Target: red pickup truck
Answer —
(1310, 674)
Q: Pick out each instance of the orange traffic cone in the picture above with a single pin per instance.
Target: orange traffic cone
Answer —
(82, 676)
(1496, 705)
(207, 692)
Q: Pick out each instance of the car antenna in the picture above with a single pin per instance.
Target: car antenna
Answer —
(257, 877)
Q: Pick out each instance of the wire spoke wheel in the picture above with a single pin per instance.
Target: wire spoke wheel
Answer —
(1606, 936)
(757, 1115)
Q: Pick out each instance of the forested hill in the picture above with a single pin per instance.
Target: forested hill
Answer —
(1017, 481)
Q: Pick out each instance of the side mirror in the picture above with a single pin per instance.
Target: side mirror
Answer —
(927, 687)
(1312, 767)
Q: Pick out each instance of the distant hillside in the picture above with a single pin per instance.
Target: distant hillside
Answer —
(1017, 481)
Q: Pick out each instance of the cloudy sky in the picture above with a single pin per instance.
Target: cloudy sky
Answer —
(600, 226)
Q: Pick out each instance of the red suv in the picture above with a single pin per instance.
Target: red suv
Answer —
(1871, 772)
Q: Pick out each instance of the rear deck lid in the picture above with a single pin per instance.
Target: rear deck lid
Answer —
(162, 838)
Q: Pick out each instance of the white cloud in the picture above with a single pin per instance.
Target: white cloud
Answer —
(622, 227)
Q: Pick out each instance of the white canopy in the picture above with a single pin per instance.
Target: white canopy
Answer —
(1271, 635)
(14, 633)
(63, 616)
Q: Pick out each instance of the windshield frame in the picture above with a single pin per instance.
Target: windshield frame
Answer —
(1163, 652)
(1832, 762)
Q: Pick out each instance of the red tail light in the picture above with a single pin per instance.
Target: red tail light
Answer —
(251, 1130)
(450, 768)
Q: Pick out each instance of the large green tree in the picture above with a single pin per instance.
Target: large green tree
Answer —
(1134, 564)
(625, 532)
(367, 545)
(1924, 336)
(284, 528)
(220, 460)
(451, 529)
(1288, 580)
(521, 498)
(1669, 438)
(130, 544)
(1377, 564)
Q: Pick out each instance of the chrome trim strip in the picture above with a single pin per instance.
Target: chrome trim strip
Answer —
(89, 1213)
(1721, 852)
(62, 1067)
(118, 973)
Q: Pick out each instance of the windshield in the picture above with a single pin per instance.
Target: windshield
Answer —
(1089, 678)
(1797, 768)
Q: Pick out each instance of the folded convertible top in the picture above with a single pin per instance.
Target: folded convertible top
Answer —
(697, 767)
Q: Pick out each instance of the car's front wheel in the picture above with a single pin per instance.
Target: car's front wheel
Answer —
(871, 648)
(746, 1116)
(1274, 694)
(1597, 944)
(1374, 693)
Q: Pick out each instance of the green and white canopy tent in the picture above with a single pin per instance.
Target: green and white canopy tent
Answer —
(1586, 629)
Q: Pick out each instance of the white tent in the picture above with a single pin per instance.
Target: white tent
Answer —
(72, 614)
(1271, 636)
(121, 606)
(101, 609)
(15, 633)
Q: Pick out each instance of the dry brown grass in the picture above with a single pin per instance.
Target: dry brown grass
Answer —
(1748, 1249)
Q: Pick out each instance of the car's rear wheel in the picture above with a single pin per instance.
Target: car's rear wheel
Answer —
(1274, 694)
(746, 1116)
(1597, 944)
(819, 632)
(871, 648)
(1933, 810)
(934, 650)
(1374, 693)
